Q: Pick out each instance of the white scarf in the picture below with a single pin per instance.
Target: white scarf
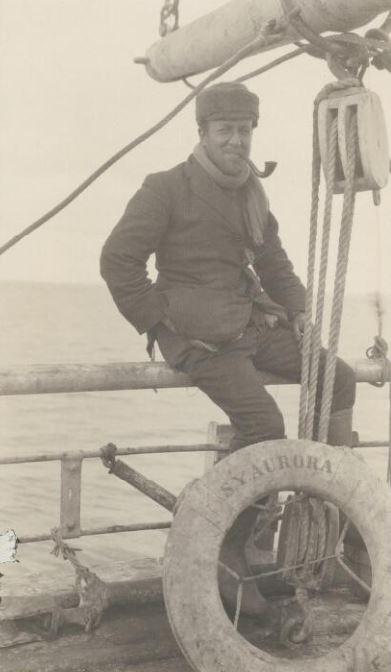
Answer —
(256, 206)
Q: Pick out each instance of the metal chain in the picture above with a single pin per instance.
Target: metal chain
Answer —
(169, 17)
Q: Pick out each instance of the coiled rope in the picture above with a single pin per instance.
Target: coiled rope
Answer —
(307, 543)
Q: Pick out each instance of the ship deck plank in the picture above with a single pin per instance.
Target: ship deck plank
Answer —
(126, 637)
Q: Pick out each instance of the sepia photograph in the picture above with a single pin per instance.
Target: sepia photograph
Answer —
(195, 310)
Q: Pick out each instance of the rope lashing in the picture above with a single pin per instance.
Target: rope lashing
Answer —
(382, 60)
(92, 591)
(61, 548)
(108, 456)
(346, 54)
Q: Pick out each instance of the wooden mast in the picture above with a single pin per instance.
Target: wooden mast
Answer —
(211, 39)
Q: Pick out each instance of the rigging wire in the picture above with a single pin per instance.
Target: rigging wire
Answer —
(277, 61)
(187, 83)
(266, 36)
(302, 49)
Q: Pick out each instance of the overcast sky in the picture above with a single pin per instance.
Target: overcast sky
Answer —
(71, 96)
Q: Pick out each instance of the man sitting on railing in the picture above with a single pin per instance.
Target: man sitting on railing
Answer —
(227, 303)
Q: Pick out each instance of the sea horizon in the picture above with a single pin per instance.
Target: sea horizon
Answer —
(45, 322)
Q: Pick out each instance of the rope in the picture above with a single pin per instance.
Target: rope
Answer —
(267, 35)
(63, 549)
(346, 54)
(307, 336)
(317, 330)
(305, 549)
(273, 64)
(303, 541)
(296, 539)
(340, 279)
(302, 49)
(92, 591)
(308, 384)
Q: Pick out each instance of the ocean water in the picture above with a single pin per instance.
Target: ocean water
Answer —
(48, 323)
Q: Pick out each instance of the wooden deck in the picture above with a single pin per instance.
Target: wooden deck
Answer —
(127, 637)
(135, 636)
(139, 639)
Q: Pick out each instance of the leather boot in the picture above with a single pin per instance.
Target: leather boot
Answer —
(340, 428)
(233, 556)
(356, 554)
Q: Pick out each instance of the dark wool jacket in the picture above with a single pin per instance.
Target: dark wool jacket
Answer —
(195, 229)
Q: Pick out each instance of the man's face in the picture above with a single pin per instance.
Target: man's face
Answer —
(228, 143)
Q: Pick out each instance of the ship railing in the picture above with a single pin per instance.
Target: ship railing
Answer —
(56, 379)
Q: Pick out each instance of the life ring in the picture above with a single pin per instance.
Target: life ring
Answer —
(201, 626)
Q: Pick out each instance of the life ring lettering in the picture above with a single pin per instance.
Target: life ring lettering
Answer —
(278, 463)
(207, 511)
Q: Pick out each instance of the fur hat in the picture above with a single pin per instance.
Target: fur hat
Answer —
(227, 100)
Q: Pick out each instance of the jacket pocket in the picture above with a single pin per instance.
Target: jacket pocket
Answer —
(211, 315)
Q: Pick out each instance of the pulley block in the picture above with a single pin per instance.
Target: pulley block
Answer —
(373, 161)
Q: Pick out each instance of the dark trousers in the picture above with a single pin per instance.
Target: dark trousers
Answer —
(232, 379)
